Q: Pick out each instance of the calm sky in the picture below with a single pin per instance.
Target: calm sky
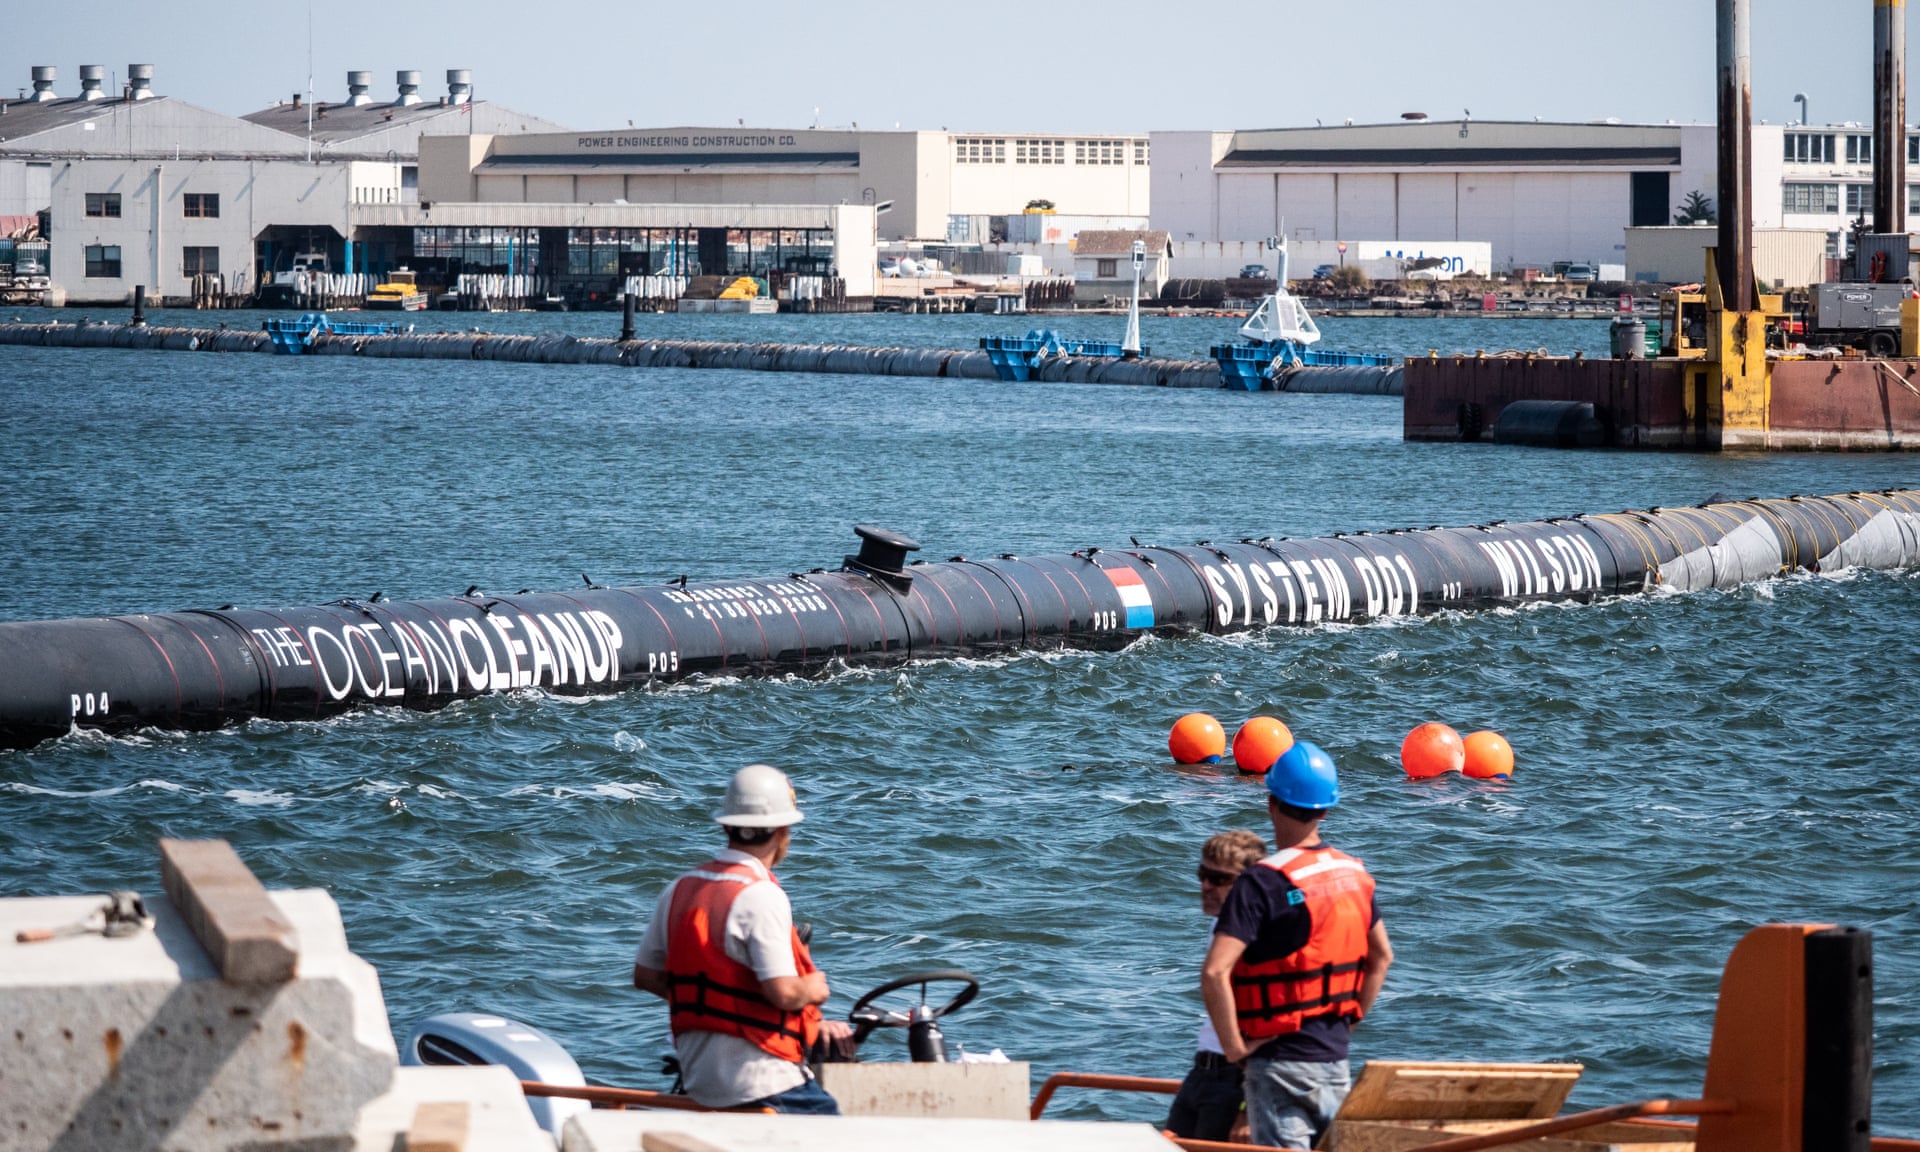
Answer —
(986, 65)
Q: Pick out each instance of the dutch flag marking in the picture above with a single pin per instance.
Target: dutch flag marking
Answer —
(1133, 594)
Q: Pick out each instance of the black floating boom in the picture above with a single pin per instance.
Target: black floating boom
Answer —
(202, 669)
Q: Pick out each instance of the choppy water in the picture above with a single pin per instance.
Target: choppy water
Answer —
(1689, 765)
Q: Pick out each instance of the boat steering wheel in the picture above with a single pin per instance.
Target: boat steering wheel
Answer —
(923, 1035)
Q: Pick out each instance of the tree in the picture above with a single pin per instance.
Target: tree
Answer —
(1348, 278)
(1696, 209)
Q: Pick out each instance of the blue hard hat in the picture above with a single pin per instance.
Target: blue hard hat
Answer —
(1305, 778)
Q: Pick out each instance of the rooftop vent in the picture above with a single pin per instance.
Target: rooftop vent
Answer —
(43, 75)
(140, 81)
(357, 85)
(93, 81)
(1413, 115)
(409, 81)
(459, 85)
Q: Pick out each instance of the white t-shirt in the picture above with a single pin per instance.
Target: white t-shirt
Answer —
(1208, 1040)
(721, 1070)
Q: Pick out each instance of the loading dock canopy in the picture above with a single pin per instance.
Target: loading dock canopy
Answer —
(1457, 142)
(1400, 157)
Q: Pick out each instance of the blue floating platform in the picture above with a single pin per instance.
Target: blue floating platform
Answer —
(292, 337)
(1250, 366)
(1015, 357)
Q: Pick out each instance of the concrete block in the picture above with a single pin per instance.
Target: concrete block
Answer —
(228, 909)
(496, 1117)
(136, 1043)
(605, 1131)
(974, 1091)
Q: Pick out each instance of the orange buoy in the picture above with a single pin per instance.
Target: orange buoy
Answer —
(1431, 749)
(1488, 756)
(1260, 743)
(1197, 738)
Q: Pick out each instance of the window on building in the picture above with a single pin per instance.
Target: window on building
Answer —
(1104, 152)
(979, 150)
(195, 261)
(1913, 149)
(1809, 147)
(1039, 151)
(201, 205)
(1859, 199)
(103, 260)
(1107, 269)
(103, 204)
(1816, 198)
(1139, 151)
(1859, 149)
(1913, 198)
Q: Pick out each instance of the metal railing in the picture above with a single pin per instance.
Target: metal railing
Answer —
(627, 1097)
(1637, 1112)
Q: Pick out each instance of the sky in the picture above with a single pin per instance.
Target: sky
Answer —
(1118, 66)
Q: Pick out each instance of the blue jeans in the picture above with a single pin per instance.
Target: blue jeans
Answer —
(1290, 1103)
(808, 1099)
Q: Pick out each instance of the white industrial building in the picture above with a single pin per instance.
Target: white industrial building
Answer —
(1537, 192)
(921, 180)
(139, 188)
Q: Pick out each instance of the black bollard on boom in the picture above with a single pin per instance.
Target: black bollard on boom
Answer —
(139, 305)
(626, 318)
(1838, 1105)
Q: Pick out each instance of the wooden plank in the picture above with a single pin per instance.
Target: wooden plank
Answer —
(676, 1142)
(229, 911)
(1443, 1090)
(1409, 1135)
(438, 1126)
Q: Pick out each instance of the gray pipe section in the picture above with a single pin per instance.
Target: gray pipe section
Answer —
(1889, 117)
(827, 358)
(1734, 117)
(202, 669)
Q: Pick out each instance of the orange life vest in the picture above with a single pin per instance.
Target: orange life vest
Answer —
(1323, 977)
(710, 991)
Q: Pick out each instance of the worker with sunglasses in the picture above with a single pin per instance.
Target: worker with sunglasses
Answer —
(1298, 956)
(1209, 1105)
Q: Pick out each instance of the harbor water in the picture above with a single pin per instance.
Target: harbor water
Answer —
(1689, 765)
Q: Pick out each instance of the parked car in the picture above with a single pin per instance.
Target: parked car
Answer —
(1581, 274)
(1255, 272)
(1323, 272)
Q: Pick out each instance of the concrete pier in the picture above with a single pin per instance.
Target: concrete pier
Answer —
(232, 1018)
(753, 357)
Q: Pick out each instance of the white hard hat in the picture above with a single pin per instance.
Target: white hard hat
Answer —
(759, 796)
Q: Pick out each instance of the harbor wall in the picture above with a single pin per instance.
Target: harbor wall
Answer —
(1812, 405)
(1844, 405)
(203, 668)
(1639, 402)
(758, 357)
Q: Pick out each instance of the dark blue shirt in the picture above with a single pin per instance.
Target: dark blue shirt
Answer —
(1265, 911)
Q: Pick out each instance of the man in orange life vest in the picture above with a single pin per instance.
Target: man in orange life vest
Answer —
(1298, 955)
(739, 983)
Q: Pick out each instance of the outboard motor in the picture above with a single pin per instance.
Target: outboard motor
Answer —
(530, 1054)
